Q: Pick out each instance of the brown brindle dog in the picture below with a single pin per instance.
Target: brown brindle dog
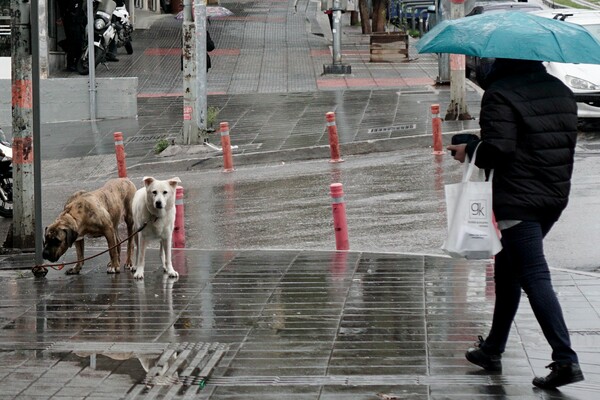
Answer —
(93, 214)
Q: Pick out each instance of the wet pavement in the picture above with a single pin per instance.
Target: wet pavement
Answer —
(278, 324)
(263, 306)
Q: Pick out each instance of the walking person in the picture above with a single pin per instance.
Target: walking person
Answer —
(528, 123)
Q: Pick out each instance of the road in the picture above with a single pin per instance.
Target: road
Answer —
(394, 202)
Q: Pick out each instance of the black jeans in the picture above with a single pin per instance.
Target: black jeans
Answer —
(521, 265)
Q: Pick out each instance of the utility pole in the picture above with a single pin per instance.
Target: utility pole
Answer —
(200, 34)
(22, 119)
(458, 106)
(190, 128)
(194, 72)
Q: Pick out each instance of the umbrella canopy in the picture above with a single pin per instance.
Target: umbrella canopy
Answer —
(513, 34)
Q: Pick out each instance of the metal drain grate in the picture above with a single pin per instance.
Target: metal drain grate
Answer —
(172, 369)
(405, 127)
(144, 138)
(190, 366)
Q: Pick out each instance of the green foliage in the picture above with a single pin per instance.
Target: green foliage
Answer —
(211, 115)
(414, 33)
(161, 145)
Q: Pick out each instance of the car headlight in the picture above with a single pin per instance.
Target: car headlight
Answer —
(99, 24)
(582, 84)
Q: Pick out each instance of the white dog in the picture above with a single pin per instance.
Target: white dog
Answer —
(154, 205)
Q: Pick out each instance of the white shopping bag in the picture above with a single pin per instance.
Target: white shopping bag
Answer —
(471, 230)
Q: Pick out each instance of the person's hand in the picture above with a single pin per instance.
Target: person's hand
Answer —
(460, 151)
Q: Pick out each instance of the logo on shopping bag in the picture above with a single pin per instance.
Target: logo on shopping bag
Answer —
(478, 209)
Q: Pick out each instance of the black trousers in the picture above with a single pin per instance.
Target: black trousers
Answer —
(522, 265)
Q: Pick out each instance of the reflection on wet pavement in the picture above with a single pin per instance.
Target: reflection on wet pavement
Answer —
(277, 324)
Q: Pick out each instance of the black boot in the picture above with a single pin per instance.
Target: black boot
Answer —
(562, 374)
(489, 362)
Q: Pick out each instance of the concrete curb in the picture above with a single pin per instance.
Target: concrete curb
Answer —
(184, 163)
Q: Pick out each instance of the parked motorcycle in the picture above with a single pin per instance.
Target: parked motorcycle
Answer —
(112, 28)
(123, 27)
(104, 33)
(6, 179)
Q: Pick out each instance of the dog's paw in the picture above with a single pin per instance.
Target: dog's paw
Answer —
(132, 268)
(72, 271)
(169, 270)
(138, 275)
(111, 270)
(173, 274)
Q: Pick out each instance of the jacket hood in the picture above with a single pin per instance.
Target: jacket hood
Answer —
(503, 67)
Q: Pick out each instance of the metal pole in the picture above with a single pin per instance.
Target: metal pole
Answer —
(444, 58)
(200, 34)
(337, 33)
(22, 113)
(337, 67)
(458, 106)
(91, 59)
(37, 156)
(190, 128)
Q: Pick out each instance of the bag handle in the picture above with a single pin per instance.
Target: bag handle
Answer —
(470, 167)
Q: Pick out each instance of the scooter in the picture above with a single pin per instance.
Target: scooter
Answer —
(104, 33)
(120, 19)
(6, 178)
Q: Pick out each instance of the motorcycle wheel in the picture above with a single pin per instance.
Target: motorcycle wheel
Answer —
(100, 55)
(83, 64)
(128, 47)
(6, 207)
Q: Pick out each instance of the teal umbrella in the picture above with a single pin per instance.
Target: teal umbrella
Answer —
(513, 34)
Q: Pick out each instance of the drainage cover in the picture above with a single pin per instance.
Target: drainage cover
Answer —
(404, 127)
(171, 368)
(145, 138)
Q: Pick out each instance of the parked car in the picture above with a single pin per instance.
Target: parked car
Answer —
(441, 10)
(582, 79)
(481, 66)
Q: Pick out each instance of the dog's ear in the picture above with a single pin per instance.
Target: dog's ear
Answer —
(148, 180)
(174, 181)
(71, 236)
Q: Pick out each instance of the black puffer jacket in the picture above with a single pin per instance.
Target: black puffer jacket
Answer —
(528, 125)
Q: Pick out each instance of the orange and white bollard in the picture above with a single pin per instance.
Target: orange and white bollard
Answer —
(120, 151)
(436, 125)
(340, 224)
(179, 231)
(226, 146)
(334, 143)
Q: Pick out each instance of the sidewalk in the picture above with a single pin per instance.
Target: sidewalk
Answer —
(279, 325)
(267, 81)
